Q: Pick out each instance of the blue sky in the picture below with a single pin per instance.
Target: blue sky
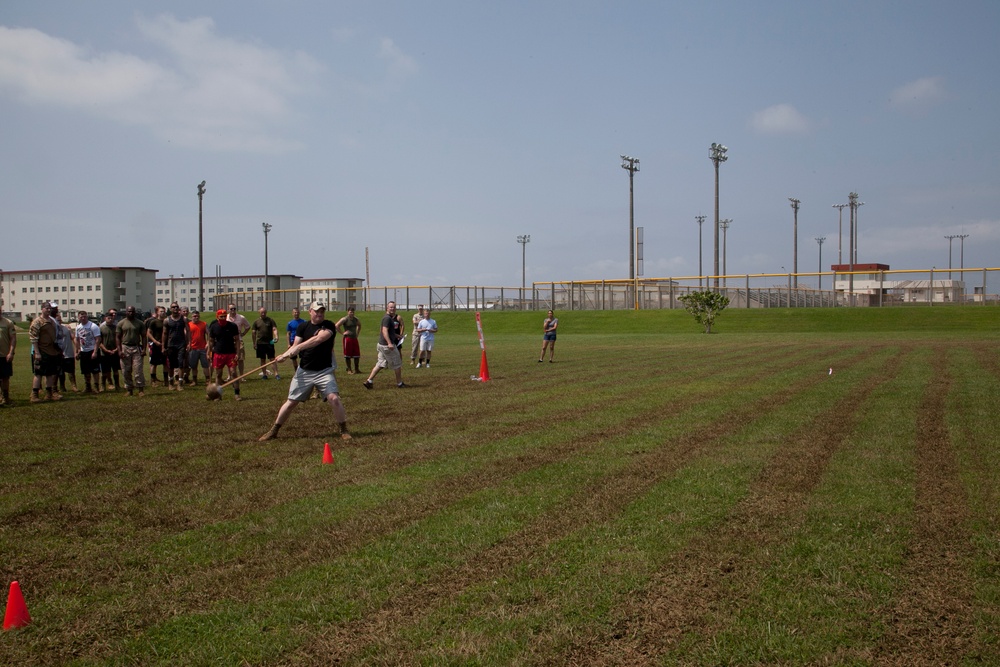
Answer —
(435, 133)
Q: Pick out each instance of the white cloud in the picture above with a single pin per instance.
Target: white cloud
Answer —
(398, 62)
(918, 94)
(205, 91)
(782, 119)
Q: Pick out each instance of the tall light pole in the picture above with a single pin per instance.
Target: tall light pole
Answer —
(717, 154)
(795, 241)
(950, 239)
(857, 229)
(201, 251)
(852, 199)
(724, 226)
(701, 221)
(267, 230)
(820, 240)
(961, 252)
(524, 241)
(840, 231)
(631, 165)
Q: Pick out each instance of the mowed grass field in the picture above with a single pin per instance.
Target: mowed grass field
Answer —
(656, 496)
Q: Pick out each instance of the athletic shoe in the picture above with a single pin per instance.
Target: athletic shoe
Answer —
(141, 393)
(55, 396)
(539, 361)
(237, 398)
(277, 376)
(270, 435)
(402, 385)
(427, 365)
(180, 386)
(346, 437)
(35, 398)
(368, 384)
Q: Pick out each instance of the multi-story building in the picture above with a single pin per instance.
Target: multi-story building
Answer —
(94, 289)
(248, 292)
(336, 293)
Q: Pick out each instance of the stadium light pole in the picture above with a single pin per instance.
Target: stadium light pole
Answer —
(717, 154)
(820, 240)
(267, 230)
(840, 231)
(201, 251)
(961, 252)
(524, 241)
(724, 226)
(852, 199)
(795, 240)
(631, 165)
(950, 237)
(857, 228)
(701, 272)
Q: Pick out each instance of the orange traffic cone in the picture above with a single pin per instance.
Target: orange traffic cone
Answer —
(484, 369)
(17, 612)
(327, 454)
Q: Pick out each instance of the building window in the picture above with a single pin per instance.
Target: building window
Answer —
(90, 288)
(97, 300)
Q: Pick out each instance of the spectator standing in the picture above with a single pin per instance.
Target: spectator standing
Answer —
(199, 348)
(175, 341)
(314, 341)
(154, 336)
(415, 343)
(8, 343)
(111, 361)
(290, 330)
(264, 334)
(131, 341)
(224, 345)
(350, 327)
(425, 331)
(549, 336)
(68, 368)
(87, 340)
(243, 325)
(46, 352)
(388, 348)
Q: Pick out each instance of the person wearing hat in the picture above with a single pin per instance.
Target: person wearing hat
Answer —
(46, 352)
(224, 345)
(388, 350)
(314, 345)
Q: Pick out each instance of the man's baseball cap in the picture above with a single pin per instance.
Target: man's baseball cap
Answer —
(221, 312)
(317, 305)
(53, 305)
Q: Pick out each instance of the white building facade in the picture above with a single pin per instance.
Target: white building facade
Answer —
(94, 289)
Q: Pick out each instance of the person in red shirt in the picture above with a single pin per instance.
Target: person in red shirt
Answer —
(199, 349)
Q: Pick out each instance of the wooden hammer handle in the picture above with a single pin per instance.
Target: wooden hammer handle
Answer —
(237, 379)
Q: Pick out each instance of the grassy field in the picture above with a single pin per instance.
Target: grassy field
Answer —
(656, 496)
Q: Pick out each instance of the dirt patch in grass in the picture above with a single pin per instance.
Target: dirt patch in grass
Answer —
(707, 580)
(932, 622)
(591, 505)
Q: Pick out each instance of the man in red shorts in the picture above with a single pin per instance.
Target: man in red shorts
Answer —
(224, 343)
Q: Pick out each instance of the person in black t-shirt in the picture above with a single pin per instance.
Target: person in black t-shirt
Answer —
(388, 350)
(314, 345)
(224, 344)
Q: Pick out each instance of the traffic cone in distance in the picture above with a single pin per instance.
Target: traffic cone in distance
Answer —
(327, 454)
(484, 369)
(17, 612)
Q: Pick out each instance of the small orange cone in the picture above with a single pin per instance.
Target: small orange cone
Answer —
(484, 369)
(17, 612)
(327, 454)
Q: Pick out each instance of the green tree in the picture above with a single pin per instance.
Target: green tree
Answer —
(705, 306)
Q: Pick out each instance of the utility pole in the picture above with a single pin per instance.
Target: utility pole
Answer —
(701, 272)
(524, 241)
(717, 154)
(852, 199)
(267, 230)
(840, 231)
(201, 252)
(820, 240)
(795, 241)
(631, 165)
(724, 226)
